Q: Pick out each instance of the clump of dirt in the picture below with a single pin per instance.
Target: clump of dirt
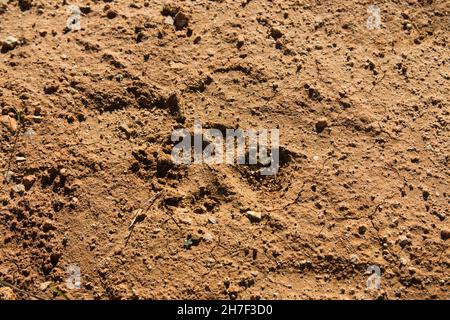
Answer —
(88, 182)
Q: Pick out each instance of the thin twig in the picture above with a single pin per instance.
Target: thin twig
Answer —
(140, 212)
(7, 284)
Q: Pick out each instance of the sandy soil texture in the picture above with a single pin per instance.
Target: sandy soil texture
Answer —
(88, 184)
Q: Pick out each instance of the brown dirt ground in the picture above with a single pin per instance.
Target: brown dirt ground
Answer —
(85, 141)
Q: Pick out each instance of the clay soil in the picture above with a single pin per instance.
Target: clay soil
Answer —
(87, 179)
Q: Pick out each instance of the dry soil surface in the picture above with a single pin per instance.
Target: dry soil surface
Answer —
(87, 180)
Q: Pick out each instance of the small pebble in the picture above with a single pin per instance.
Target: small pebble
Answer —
(212, 220)
(169, 20)
(28, 181)
(181, 20)
(275, 33)
(9, 122)
(445, 234)
(111, 14)
(403, 241)
(19, 188)
(362, 230)
(254, 216)
(9, 43)
(240, 42)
